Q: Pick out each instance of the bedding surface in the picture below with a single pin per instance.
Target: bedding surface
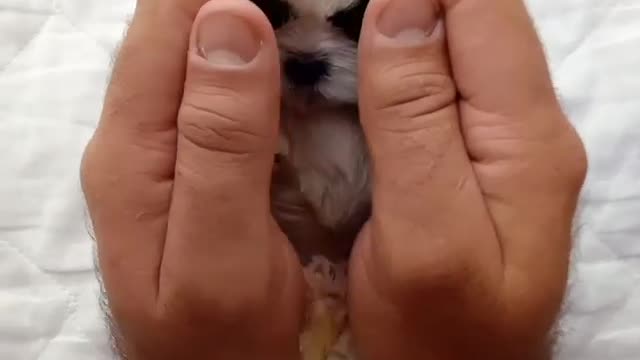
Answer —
(54, 64)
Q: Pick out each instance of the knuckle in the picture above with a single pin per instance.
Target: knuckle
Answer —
(228, 128)
(413, 90)
(88, 178)
(580, 163)
(571, 164)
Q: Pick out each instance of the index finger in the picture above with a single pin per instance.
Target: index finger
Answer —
(128, 165)
(526, 155)
(494, 46)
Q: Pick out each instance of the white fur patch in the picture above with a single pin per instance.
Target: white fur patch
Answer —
(329, 152)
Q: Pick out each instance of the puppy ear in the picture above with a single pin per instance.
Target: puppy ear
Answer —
(349, 19)
(278, 12)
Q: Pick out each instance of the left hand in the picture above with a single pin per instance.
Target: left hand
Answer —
(177, 180)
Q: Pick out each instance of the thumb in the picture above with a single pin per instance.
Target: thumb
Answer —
(407, 94)
(423, 178)
(414, 248)
(227, 137)
(224, 252)
(407, 100)
(228, 121)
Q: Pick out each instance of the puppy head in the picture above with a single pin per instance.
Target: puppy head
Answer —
(318, 42)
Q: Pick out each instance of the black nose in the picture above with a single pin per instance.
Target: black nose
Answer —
(305, 70)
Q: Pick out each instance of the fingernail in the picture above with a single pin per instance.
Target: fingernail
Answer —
(225, 39)
(408, 21)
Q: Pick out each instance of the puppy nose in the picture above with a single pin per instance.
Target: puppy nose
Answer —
(305, 70)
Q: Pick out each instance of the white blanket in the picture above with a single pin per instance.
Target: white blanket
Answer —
(54, 60)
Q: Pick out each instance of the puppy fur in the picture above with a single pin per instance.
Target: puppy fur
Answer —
(321, 183)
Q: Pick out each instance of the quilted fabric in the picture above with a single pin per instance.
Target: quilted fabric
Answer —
(54, 63)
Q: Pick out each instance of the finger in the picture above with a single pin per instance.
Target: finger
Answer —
(424, 183)
(529, 160)
(505, 46)
(220, 223)
(128, 165)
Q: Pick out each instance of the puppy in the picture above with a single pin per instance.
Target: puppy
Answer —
(321, 182)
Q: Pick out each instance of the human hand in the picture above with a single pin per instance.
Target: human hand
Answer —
(177, 184)
(477, 174)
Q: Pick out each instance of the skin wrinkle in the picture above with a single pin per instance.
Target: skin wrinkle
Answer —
(219, 92)
(416, 72)
(236, 122)
(218, 137)
(162, 144)
(420, 60)
(412, 142)
(475, 134)
(427, 167)
(413, 106)
(421, 121)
